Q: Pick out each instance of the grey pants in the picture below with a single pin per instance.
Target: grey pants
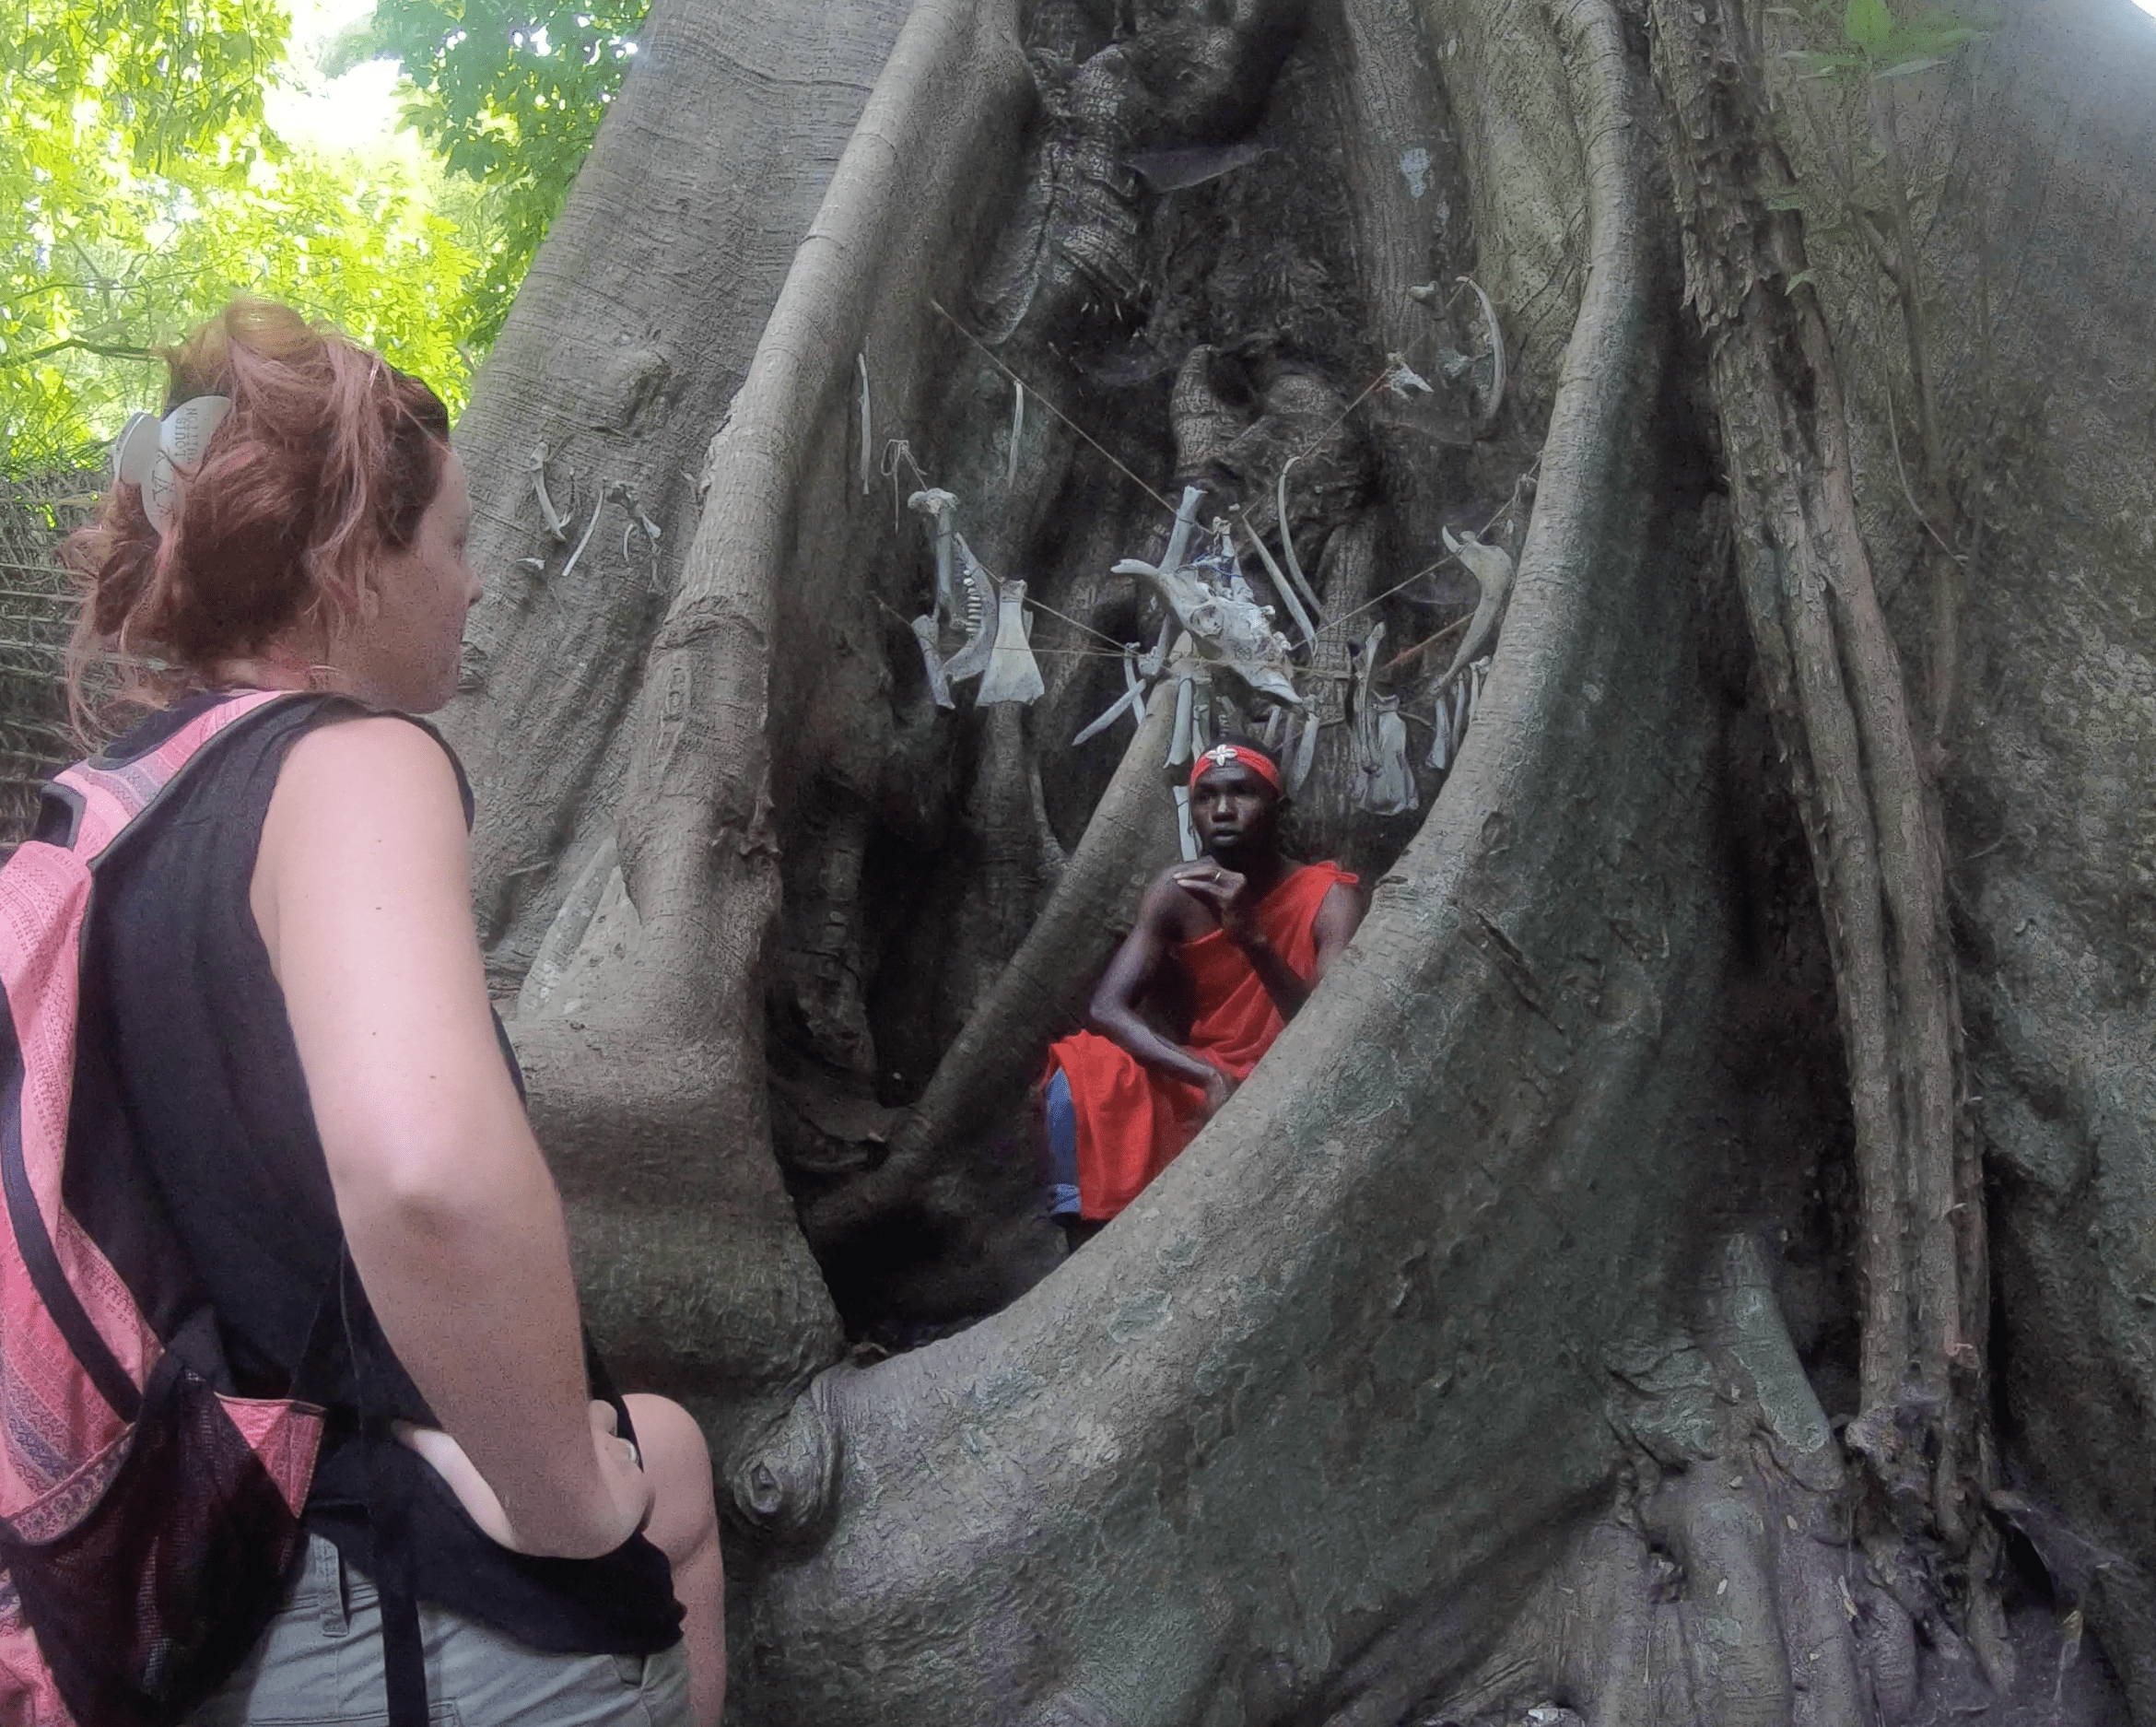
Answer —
(320, 1661)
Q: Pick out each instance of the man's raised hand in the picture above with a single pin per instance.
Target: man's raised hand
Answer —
(1227, 893)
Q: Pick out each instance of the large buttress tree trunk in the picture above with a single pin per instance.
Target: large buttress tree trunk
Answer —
(1212, 1454)
(708, 171)
(1444, 1374)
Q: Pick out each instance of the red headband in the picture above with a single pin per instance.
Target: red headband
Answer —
(1221, 755)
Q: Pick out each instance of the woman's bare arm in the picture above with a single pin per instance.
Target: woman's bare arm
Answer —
(361, 890)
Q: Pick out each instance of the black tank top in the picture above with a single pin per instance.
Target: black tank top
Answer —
(176, 977)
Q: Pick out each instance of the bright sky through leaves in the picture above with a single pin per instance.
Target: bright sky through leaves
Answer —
(359, 111)
(157, 157)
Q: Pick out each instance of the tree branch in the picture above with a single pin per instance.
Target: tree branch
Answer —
(77, 343)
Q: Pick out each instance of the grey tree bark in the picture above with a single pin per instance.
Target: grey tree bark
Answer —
(1586, 1305)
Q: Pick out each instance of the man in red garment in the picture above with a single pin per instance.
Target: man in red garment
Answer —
(1240, 937)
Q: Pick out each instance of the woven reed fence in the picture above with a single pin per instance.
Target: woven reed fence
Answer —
(37, 611)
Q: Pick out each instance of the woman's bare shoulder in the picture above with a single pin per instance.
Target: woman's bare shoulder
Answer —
(367, 758)
(371, 791)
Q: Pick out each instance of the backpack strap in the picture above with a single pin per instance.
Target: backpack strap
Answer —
(403, 1656)
(45, 910)
(107, 798)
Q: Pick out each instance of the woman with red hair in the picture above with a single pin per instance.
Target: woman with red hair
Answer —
(285, 962)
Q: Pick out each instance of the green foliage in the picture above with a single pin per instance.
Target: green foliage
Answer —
(1876, 44)
(511, 94)
(141, 189)
(1867, 25)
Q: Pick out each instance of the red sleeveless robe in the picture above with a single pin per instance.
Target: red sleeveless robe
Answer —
(1135, 1121)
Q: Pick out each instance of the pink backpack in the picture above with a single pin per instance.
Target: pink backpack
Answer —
(148, 1521)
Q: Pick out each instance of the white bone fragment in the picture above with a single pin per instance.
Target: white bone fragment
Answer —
(1305, 753)
(1488, 412)
(1129, 702)
(570, 567)
(556, 524)
(976, 587)
(1126, 702)
(924, 632)
(1017, 431)
(1440, 755)
(1392, 790)
(942, 509)
(537, 566)
(1226, 633)
(1288, 597)
(1156, 656)
(1404, 380)
(1363, 719)
(1179, 739)
(1492, 572)
(1012, 674)
(981, 620)
(621, 492)
(867, 442)
(1172, 169)
(1275, 729)
(1106, 719)
(1287, 541)
(1178, 544)
(1185, 833)
(1426, 292)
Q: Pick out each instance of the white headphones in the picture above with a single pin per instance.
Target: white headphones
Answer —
(161, 456)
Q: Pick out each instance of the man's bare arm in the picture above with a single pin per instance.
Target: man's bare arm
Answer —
(1114, 1010)
(1339, 917)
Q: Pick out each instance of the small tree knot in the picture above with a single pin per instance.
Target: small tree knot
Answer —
(785, 1485)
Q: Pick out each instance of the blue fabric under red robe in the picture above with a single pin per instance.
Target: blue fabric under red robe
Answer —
(1133, 1121)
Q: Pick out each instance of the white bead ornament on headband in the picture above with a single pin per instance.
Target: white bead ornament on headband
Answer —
(161, 455)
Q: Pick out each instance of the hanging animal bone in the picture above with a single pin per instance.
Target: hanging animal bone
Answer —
(1492, 572)
(868, 441)
(1465, 705)
(1486, 411)
(1287, 540)
(1404, 381)
(1226, 631)
(556, 524)
(980, 610)
(1179, 750)
(1305, 754)
(940, 508)
(1131, 701)
(621, 492)
(1288, 597)
(1225, 624)
(1012, 674)
(1363, 719)
(931, 653)
(1156, 656)
(589, 528)
(1186, 524)
(1391, 791)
